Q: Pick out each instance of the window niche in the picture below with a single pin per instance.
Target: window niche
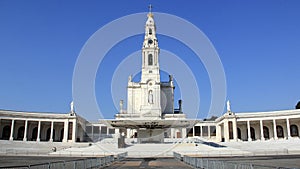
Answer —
(150, 59)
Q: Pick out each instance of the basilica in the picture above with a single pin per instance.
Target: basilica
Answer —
(150, 115)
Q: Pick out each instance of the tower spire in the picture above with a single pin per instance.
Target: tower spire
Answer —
(150, 8)
(150, 11)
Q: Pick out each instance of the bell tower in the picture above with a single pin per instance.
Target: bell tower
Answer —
(150, 80)
(150, 52)
(150, 102)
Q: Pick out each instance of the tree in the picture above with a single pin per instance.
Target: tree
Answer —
(298, 105)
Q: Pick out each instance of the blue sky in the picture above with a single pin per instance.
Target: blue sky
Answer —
(258, 43)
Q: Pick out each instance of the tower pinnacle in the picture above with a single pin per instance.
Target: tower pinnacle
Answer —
(150, 11)
(150, 8)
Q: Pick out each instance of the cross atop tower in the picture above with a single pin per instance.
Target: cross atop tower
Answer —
(150, 8)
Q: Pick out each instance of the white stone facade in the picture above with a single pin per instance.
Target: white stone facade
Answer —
(150, 98)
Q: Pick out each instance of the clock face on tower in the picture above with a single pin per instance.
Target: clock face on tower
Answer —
(150, 41)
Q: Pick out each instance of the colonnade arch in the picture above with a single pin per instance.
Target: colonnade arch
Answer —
(20, 134)
(266, 132)
(294, 130)
(6, 132)
(280, 132)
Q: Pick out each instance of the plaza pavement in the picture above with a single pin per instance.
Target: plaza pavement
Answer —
(198, 147)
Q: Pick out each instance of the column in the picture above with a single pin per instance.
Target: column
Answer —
(208, 129)
(219, 133)
(249, 131)
(74, 131)
(66, 130)
(288, 128)
(275, 130)
(183, 133)
(234, 128)
(51, 133)
(25, 131)
(226, 131)
(262, 138)
(39, 132)
(93, 137)
(201, 131)
(128, 133)
(12, 130)
(193, 131)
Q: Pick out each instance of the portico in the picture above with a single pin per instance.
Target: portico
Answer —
(259, 126)
(28, 126)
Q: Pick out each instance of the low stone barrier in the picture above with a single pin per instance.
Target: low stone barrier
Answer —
(87, 163)
(206, 163)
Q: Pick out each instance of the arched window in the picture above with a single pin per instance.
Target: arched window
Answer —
(266, 132)
(21, 133)
(150, 31)
(280, 133)
(294, 131)
(6, 132)
(150, 59)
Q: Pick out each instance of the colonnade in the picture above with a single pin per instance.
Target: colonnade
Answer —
(203, 130)
(96, 131)
(250, 129)
(34, 129)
